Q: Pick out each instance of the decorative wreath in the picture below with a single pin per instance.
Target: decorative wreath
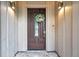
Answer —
(38, 16)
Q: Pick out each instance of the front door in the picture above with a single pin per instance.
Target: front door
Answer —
(36, 28)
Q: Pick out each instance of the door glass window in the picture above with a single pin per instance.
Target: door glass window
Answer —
(36, 29)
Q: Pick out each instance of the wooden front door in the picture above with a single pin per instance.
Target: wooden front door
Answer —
(36, 28)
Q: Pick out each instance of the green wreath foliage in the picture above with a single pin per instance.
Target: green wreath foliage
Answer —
(38, 16)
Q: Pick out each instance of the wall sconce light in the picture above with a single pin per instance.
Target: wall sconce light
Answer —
(60, 5)
(12, 5)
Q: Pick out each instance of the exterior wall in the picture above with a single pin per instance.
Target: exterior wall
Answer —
(8, 26)
(56, 27)
(50, 26)
(11, 32)
(22, 24)
(22, 29)
(60, 31)
(3, 29)
(75, 35)
(15, 32)
(63, 30)
(0, 29)
(67, 30)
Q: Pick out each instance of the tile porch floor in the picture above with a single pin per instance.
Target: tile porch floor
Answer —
(36, 54)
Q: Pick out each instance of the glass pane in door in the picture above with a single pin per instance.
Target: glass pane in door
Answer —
(36, 29)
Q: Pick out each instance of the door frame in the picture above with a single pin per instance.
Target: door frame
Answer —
(27, 28)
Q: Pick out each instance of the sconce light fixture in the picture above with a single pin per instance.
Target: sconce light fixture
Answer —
(12, 5)
(60, 5)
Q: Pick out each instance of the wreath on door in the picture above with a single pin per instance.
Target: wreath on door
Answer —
(39, 16)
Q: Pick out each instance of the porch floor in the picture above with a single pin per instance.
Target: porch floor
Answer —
(36, 54)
